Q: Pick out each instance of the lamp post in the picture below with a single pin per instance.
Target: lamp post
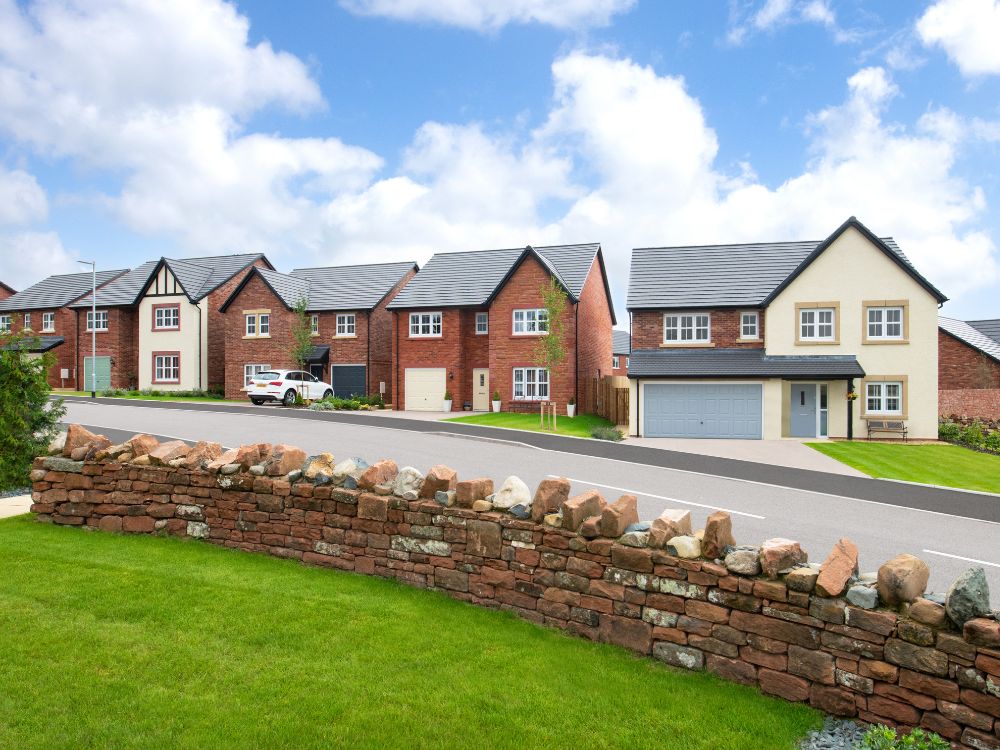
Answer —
(93, 326)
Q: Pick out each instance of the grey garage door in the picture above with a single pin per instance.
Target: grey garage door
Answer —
(348, 380)
(701, 410)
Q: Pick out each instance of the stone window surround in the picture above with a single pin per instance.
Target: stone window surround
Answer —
(903, 381)
(690, 343)
(756, 325)
(800, 306)
(258, 317)
(898, 303)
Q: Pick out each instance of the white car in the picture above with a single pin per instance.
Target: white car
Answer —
(283, 385)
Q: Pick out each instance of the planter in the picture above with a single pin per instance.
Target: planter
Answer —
(446, 406)
(496, 405)
(570, 410)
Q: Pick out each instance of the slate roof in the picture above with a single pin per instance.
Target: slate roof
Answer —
(198, 277)
(34, 344)
(472, 278)
(736, 275)
(621, 342)
(359, 287)
(738, 363)
(973, 335)
(57, 291)
(990, 328)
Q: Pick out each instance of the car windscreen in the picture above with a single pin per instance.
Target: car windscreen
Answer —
(267, 376)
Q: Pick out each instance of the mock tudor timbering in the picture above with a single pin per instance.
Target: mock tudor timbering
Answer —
(759, 615)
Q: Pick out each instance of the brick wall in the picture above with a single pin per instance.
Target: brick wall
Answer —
(877, 665)
(647, 329)
(65, 353)
(981, 403)
(120, 342)
(382, 341)
(594, 339)
(962, 367)
(5, 292)
(217, 338)
(446, 351)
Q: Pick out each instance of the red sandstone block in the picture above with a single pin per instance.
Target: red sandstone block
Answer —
(731, 669)
(137, 524)
(783, 685)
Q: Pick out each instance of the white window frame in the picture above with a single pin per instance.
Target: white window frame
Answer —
(347, 324)
(482, 323)
(5, 323)
(159, 326)
(250, 325)
(687, 328)
(48, 322)
(100, 315)
(263, 325)
(425, 325)
(159, 365)
(531, 321)
(876, 319)
(27, 321)
(877, 392)
(530, 384)
(314, 325)
(627, 363)
(615, 362)
(750, 319)
(249, 370)
(811, 318)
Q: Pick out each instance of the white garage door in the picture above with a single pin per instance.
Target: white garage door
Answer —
(701, 410)
(425, 387)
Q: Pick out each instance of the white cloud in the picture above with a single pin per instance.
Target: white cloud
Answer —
(27, 257)
(490, 15)
(22, 200)
(747, 19)
(967, 30)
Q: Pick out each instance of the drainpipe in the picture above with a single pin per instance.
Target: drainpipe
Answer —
(395, 360)
(576, 337)
(198, 307)
(850, 411)
(368, 360)
(638, 405)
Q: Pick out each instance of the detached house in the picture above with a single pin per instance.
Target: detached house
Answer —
(44, 311)
(469, 322)
(350, 325)
(159, 326)
(768, 340)
(969, 368)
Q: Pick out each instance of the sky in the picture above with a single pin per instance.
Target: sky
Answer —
(331, 132)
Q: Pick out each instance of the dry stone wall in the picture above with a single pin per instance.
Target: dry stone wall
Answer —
(759, 615)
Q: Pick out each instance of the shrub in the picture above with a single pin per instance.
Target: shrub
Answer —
(972, 435)
(949, 431)
(607, 433)
(886, 738)
(114, 392)
(28, 420)
(992, 441)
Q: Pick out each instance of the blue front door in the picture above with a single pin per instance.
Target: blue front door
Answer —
(803, 421)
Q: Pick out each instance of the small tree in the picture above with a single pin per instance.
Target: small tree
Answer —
(28, 418)
(302, 343)
(550, 350)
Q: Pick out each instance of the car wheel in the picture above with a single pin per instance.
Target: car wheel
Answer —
(289, 399)
(256, 401)
(327, 393)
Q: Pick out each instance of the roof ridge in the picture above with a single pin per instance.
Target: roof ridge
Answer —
(358, 265)
(742, 244)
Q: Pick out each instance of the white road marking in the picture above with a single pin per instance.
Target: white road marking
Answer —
(662, 497)
(966, 559)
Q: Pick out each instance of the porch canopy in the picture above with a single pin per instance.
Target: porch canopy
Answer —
(318, 355)
(34, 344)
(740, 363)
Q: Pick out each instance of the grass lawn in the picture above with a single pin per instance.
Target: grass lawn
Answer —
(115, 641)
(197, 399)
(578, 426)
(947, 465)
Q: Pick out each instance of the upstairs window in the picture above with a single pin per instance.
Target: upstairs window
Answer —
(27, 321)
(692, 328)
(48, 322)
(749, 325)
(4, 323)
(531, 322)
(885, 323)
(97, 321)
(346, 324)
(424, 325)
(482, 323)
(615, 362)
(314, 325)
(817, 324)
(167, 318)
(258, 325)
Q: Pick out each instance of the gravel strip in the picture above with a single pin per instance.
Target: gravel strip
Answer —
(836, 734)
(15, 492)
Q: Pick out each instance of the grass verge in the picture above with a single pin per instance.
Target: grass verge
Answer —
(126, 642)
(140, 397)
(946, 465)
(578, 426)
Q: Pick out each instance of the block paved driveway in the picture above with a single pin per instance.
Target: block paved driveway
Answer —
(949, 529)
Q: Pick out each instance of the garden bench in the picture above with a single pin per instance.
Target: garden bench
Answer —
(887, 425)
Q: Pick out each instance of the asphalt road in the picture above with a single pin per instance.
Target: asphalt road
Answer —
(950, 530)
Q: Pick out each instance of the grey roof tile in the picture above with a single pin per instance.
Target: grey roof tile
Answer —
(57, 291)
(471, 278)
(990, 328)
(621, 342)
(124, 290)
(973, 335)
(288, 288)
(735, 363)
(359, 287)
(34, 344)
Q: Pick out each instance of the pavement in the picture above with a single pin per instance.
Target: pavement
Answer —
(950, 529)
(14, 506)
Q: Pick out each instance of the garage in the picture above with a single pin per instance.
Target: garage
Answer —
(348, 380)
(425, 387)
(103, 373)
(703, 410)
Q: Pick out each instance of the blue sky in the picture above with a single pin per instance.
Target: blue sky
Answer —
(370, 130)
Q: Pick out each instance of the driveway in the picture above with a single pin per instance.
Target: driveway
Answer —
(794, 454)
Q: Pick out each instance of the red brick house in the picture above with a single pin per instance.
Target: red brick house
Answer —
(6, 291)
(45, 310)
(969, 368)
(351, 327)
(621, 348)
(164, 311)
(469, 324)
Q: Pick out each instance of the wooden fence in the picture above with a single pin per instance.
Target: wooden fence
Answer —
(607, 397)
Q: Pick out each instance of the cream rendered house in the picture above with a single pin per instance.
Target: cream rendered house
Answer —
(767, 340)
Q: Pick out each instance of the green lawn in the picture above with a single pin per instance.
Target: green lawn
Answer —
(578, 426)
(947, 465)
(116, 641)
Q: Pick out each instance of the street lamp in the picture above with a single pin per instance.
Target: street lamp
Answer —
(93, 327)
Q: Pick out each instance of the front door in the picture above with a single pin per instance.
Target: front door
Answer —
(803, 420)
(103, 373)
(316, 370)
(481, 390)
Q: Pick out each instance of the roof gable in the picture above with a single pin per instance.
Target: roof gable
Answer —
(58, 291)
(8, 287)
(971, 335)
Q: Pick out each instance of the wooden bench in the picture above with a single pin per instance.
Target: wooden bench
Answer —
(887, 425)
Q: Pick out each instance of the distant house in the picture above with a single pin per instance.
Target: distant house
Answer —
(767, 340)
(6, 291)
(44, 310)
(621, 348)
(469, 322)
(351, 327)
(969, 368)
(159, 326)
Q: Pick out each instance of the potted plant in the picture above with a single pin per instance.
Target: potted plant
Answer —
(571, 407)
(496, 401)
(447, 401)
